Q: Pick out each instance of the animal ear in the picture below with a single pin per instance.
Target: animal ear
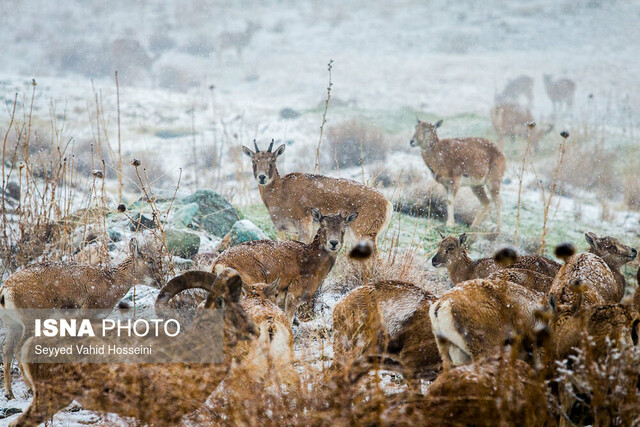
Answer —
(133, 246)
(280, 150)
(272, 289)
(235, 287)
(442, 235)
(317, 216)
(462, 238)
(438, 123)
(247, 151)
(592, 239)
(552, 303)
(351, 217)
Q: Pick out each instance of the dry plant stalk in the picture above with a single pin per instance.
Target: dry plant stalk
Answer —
(119, 142)
(564, 134)
(530, 126)
(324, 117)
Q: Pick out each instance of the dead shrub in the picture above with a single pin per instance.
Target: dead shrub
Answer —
(355, 142)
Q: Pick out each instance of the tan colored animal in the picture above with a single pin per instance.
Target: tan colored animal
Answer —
(511, 120)
(514, 89)
(289, 199)
(452, 254)
(154, 394)
(476, 317)
(273, 347)
(493, 391)
(595, 272)
(474, 162)
(301, 267)
(387, 321)
(237, 40)
(560, 91)
(67, 285)
(636, 294)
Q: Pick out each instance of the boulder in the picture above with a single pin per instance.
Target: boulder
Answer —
(184, 216)
(242, 231)
(182, 243)
(215, 214)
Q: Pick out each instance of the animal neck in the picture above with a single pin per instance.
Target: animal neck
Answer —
(617, 274)
(272, 190)
(123, 279)
(461, 269)
(432, 142)
(319, 258)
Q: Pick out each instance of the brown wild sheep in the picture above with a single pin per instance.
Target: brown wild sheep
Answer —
(560, 91)
(301, 267)
(154, 394)
(290, 198)
(387, 321)
(476, 317)
(474, 162)
(68, 285)
(595, 272)
(511, 120)
(452, 254)
(520, 86)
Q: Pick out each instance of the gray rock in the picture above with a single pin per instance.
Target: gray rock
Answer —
(184, 216)
(242, 231)
(182, 243)
(215, 214)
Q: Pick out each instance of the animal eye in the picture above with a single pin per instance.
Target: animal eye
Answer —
(219, 302)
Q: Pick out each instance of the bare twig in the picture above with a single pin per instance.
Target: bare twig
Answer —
(324, 116)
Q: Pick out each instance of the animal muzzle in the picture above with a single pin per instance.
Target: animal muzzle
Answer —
(412, 143)
(334, 245)
(436, 262)
(634, 253)
(262, 179)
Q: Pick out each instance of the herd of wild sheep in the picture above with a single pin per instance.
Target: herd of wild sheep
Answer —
(454, 339)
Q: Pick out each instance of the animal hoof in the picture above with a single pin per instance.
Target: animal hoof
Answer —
(8, 396)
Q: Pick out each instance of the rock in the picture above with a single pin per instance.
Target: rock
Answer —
(182, 243)
(114, 235)
(215, 214)
(182, 263)
(242, 231)
(12, 190)
(289, 113)
(141, 222)
(184, 216)
(8, 412)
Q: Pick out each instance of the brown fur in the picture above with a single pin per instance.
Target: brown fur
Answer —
(157, 394)
(510, 120)
(67, 285)
(636, 294)
(492, 391)
(450, 160)
(595, 272)
(560, 91)
(523, 277)
(300, 267)
(289, 199)
(388, 321)
(475, 318)
(452, 253)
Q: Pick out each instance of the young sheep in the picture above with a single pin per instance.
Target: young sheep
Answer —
(301, 267)
(68, 285)
(452, 254)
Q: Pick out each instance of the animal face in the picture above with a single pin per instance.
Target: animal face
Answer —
(225, 296)
(610, 249)
(264, 162)
(333, 228)
(424, 134)
(449, 249)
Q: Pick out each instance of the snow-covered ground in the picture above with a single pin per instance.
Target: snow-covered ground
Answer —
(391, 62)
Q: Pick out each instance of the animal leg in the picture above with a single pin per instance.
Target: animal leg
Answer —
(452, 191)
(14, 334)
(497, 202)
(40, 410)
(478, 190)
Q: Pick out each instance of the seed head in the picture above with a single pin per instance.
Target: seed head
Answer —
(98, 174)
(505, 257)
(565, 250)
(135, 162)
(564, 134)
(122, 208)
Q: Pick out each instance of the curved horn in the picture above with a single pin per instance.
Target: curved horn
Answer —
(256, 146)
(270, 146)
(189, 280)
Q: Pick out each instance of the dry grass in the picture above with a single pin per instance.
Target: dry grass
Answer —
(355, 142)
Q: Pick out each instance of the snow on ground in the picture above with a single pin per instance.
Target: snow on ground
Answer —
(391, 61)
